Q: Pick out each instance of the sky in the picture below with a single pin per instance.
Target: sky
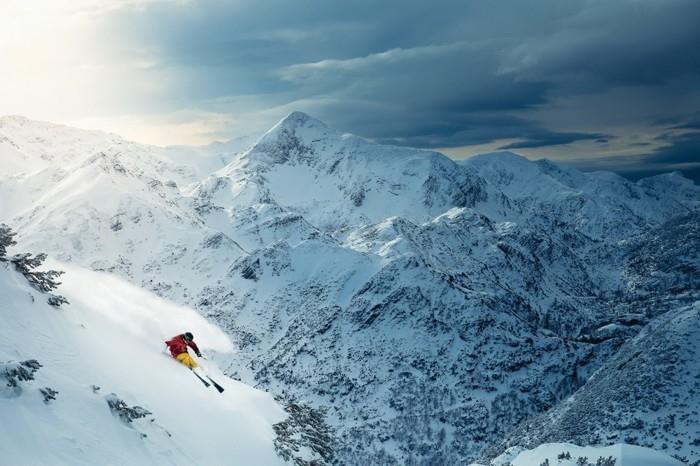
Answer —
(598, 84)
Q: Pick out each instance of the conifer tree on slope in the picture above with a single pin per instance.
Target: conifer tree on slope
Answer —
(26, 264)
(6, 240)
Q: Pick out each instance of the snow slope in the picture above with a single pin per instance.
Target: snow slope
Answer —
(111, 336)
(622, 454)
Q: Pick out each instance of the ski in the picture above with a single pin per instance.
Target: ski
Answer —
(216, 385)
(206, 384)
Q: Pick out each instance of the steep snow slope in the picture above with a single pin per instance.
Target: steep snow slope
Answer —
(111, 337)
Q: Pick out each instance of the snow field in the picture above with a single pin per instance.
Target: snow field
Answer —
(112, 336)
(624, 455)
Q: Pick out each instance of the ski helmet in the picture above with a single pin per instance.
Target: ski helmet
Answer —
(189, 336)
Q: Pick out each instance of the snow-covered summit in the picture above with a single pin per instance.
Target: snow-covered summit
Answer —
(296, 120)
(333, 179)
(598, 204)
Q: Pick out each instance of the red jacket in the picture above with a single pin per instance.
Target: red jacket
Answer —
(178, 345)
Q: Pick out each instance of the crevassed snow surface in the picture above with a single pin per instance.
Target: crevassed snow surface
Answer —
(112, 336)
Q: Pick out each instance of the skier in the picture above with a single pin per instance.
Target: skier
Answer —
(178, 348)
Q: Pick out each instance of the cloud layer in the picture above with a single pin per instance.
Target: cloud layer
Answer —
(604, 77)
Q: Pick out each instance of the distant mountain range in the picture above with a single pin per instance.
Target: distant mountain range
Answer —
(443, 311)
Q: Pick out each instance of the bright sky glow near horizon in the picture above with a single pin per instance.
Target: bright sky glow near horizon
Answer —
(601, 84)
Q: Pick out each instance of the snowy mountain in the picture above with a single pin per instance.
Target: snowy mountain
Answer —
(114, 202)
(431, 306)
(601, 205)
(302, 178)
(647, 393)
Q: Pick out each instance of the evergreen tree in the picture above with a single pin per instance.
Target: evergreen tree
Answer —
(45, 282)
(26, 264)
(6, 240)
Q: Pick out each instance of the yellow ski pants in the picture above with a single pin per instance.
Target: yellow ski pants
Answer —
(187, 360)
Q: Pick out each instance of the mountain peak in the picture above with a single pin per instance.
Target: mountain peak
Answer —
(289, 126)
(297, 120)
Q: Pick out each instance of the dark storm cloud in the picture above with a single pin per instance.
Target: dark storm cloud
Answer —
(477, 129)
(677, 149)
(617, 43)
(548, 138)
(446, 74)
(678, 152)
(689, 121)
